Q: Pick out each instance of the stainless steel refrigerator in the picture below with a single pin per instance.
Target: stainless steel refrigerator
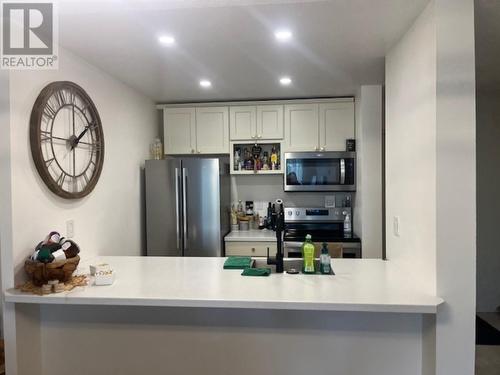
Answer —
(187, 206)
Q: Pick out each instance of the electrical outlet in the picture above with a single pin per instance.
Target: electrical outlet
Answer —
(330, 201)
(70, 229)
(396, 225)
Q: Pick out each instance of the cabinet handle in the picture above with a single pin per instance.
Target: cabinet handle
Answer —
(199, 152)
(322, 149)
(316, 148)
(259, 136)
(192, 150)
(253, 249)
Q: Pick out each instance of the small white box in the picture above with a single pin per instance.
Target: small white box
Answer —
(93, 267)
(103, 274)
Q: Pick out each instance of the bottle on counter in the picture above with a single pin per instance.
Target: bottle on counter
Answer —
(240, 210)
(325, 260)
(347, 223)
(308, 255)
(234, 216)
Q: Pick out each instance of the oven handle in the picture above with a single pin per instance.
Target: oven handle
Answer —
(293, 245)
(342, 171)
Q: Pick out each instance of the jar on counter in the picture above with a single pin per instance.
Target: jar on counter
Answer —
(244, 225)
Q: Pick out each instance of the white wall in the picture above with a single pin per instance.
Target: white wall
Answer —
(368, 203)
(456, 187)
(108, 221)
(8, 314)
(430, 143)
(411, 149)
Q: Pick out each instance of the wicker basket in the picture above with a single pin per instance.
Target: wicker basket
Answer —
(41, 273)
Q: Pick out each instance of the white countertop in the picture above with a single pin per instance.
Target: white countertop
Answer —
(359, 285)
(253, 235)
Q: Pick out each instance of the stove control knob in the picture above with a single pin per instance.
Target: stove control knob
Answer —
(290, 213)
(297, 213)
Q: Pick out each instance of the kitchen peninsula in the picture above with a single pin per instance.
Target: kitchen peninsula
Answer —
(193, 305)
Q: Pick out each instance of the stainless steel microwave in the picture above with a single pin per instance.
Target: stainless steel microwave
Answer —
(320, 171)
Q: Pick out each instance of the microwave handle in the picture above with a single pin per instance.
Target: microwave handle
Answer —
(342, 171)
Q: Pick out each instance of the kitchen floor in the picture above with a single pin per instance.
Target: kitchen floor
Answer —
(487, 360)
(488, 356)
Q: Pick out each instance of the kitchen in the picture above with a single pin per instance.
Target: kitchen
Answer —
(286, 105)
(280, 135)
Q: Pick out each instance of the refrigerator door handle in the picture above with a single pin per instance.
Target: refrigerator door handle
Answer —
(177, 208)
(184, 208)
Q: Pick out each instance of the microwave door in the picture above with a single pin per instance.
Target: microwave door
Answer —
(328, 171)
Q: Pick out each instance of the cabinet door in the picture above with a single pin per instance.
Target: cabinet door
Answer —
(336, 124)
(212, 130)
(179, 130)
(270, 122)
(242, 123)
(301, 127)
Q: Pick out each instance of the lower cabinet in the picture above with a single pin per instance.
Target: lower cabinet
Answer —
(254, 249)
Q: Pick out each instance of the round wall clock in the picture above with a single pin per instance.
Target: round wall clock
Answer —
(67, 141)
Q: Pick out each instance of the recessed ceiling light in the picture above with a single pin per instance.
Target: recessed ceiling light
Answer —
(167, 40)
(285, 81)
(283, 35)
(205, 83)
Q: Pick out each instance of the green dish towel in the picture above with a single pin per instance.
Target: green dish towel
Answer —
(256, 272)
(237, 263)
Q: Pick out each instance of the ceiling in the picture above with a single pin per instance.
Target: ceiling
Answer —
(336, 46)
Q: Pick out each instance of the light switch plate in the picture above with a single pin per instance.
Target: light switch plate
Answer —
(330, 201)
(70, 229)
(396, 225)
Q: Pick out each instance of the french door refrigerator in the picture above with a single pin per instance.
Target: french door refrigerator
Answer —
(187, 206)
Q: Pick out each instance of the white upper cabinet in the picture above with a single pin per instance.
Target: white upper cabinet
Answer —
(212, 130)
(270, 122)
(336, 124)
(298, 126)
(179, 130)
(243, 123)
(249, 123)
(301, 127)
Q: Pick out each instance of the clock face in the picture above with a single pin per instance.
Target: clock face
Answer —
(67, 141)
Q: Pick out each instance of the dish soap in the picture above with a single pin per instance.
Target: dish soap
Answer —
(308, 256)
(324, 260)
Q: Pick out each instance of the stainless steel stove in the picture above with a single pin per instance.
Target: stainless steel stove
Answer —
(324, 225)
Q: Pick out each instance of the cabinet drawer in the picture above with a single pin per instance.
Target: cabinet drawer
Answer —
(257, 249)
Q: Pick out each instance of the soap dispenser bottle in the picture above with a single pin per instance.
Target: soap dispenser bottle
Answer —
(347, 223)
(324, 260)
(308, 256)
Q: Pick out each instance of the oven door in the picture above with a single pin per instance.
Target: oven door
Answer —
(320, 171)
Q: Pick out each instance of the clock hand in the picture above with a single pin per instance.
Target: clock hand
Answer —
(75, 142)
